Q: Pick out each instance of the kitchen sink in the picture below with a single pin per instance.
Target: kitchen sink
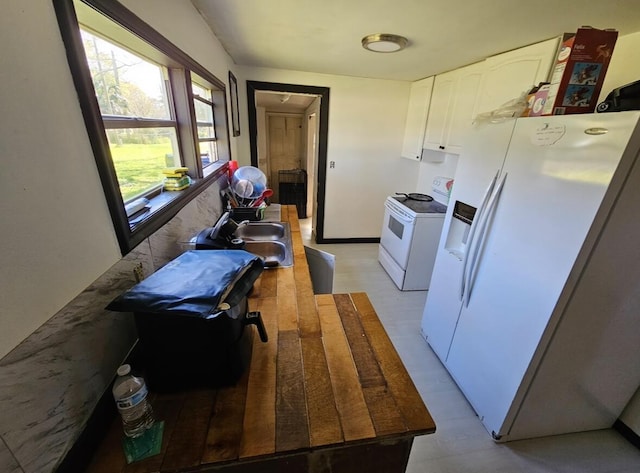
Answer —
(269, 240)
(274, 253)
(261, 231)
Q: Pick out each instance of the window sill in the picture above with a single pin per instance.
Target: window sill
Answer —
(167, 204)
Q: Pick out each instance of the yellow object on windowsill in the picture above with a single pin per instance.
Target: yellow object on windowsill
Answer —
(176, 184)
(175, 172)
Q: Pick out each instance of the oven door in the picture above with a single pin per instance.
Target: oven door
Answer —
(397, 232)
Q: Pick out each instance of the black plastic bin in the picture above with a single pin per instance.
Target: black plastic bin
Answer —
(292, 189)
(191, 317)
(253, 214)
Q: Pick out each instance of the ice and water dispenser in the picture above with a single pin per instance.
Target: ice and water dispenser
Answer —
(459, 229)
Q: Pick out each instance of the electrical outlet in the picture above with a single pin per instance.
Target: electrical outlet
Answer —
(332, 164)
(138, 272)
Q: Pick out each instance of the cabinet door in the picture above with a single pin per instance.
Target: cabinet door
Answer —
(509, 75)
(416, 118)
(441, 99)
(465, 105)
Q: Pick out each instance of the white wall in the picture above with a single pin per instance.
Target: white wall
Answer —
(429, 170)
(366, 127)
(261, 124)
(57, 235)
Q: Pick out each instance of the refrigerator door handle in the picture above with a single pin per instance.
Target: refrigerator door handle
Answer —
(472, 231)
(469, 283)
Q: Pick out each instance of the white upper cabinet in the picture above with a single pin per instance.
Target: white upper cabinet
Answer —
(441, 99)
(453, 105)
(416, 118)
(456, 97)
(509, 75)
(465, 105)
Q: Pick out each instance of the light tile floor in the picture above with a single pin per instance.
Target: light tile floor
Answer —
(461, 444)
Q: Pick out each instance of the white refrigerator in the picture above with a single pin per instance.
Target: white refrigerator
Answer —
(534, 304)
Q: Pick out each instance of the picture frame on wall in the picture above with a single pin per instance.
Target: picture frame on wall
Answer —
(235, 114)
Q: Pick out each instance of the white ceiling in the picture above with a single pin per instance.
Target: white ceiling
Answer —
(324, 36)
(283, 102)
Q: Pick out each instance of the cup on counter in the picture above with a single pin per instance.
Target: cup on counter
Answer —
(233, 167)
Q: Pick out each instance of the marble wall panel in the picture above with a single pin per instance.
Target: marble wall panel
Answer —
(8, 463)
(51, 382)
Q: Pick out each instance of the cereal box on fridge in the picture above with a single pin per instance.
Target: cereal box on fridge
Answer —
(579, 71)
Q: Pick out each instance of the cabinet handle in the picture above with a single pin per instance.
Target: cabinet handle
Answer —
(441, 147)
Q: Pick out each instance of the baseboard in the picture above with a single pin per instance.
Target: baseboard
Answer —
(627, 433)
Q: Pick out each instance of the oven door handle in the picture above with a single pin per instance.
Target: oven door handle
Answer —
(398, 215)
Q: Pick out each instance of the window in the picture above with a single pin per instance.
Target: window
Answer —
(135, 106)
(147, 107)
(204, 107)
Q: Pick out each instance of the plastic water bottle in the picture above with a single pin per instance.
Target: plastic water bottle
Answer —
(130, 394)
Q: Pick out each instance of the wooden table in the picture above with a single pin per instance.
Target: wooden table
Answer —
(327, 393)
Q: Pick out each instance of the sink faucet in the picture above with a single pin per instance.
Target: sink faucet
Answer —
(242, 224)
(225, 227)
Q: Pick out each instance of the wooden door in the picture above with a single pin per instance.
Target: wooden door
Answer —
(286, 149)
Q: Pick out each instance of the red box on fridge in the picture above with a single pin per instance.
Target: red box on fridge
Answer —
(579, 72)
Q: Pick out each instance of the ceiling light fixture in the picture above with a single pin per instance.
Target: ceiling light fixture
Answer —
(384, 43)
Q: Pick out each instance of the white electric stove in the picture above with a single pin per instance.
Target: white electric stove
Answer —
(410, 234)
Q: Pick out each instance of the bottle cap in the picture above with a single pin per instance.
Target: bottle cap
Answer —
(124, 370)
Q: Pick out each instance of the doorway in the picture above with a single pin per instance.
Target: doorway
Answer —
(284, 145)
(295, 135)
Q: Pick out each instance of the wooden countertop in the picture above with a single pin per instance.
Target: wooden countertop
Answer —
(329, 377)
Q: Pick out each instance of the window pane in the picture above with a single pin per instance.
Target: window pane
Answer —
(201, 91)
(205, 123)
(139, 156)
(208, 152)
(204, 118)
(125, 84)
(205, 132)
(204, 111)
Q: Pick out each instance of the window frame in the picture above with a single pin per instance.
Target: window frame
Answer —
(181, 67)
(212, 139)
